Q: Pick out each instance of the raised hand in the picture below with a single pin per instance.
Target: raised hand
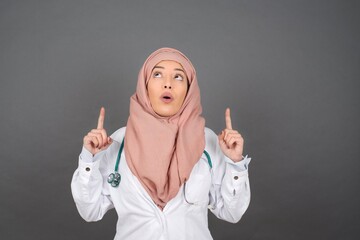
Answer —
(97, 140)
(230, 141)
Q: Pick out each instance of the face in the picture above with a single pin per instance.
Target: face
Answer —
(167, 88)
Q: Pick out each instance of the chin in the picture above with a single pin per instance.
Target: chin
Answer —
(166, 113)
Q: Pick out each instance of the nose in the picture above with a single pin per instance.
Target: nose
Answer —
(167, 83)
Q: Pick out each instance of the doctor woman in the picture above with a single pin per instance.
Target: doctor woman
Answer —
(165, 169)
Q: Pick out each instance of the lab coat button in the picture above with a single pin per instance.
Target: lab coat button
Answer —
(87, 169)
(236, 177)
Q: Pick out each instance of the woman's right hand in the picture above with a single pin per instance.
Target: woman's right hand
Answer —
(97, 140)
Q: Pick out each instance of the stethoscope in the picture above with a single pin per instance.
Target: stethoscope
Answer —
(114, 178)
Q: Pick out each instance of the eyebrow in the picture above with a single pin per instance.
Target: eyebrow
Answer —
(178, 69)
(159, 67)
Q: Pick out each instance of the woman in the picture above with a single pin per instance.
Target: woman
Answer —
(165, 169)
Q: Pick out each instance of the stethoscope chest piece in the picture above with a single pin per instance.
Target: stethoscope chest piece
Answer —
(114, 179)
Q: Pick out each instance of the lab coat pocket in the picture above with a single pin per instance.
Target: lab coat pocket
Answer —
(196, 189)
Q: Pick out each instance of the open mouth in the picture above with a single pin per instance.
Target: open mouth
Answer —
(166, 97)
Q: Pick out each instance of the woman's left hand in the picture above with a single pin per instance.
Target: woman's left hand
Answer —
(230, 141)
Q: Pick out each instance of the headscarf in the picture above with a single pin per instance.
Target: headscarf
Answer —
(161, 151)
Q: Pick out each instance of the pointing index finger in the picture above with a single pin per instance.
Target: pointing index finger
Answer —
(228, 119)
(101, 119)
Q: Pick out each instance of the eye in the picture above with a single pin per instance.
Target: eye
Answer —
(157, 75)
(178, 77)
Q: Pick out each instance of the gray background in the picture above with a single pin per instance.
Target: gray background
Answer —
(289, 70)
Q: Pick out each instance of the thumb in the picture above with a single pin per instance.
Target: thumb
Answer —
(221, 138)
(109, 142)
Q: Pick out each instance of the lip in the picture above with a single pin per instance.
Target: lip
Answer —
(166, 97)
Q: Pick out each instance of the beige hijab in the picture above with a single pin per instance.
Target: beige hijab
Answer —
(161, 151)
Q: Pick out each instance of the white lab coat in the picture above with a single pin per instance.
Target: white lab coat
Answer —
(224, 189)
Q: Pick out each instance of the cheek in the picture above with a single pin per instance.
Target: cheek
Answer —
(183, 91)
(151, 89)
(149, 92)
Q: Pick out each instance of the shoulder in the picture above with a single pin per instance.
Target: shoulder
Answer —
(213, 149)
(118, 135)
(211, 140)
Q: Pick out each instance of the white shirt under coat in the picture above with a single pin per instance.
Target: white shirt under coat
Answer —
(225, 190)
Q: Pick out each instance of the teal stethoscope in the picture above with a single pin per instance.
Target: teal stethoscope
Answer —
(114, 178)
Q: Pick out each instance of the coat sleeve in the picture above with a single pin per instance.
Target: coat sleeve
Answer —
(230, 189)
(89, 186)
